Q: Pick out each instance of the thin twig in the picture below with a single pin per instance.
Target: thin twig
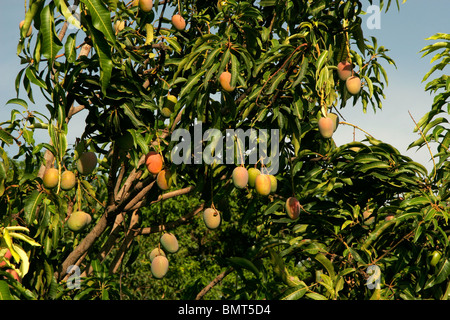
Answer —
(424, 139)
(355, 126)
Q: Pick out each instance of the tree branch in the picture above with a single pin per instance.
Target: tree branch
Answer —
(216, 280)
(129, 237)
(173, 224)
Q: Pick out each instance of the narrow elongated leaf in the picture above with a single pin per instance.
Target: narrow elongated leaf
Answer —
(295, 293)
(441, 275)
(327, 264)
(234, 70)
(31, 75)
(101, 18)
(192, 81)
(5, 294)
(6, 137)
(104, 53)
(50, 42)
(29, 16)
(418, 201)
(316, 296)
(302, 72)
(31, 205)
(374, 165)
(129, 111)
(276, 81)
(71, 48)
(18, 101)
(321, 61)
(174, 43)
(244, 263)
(24, 260)
(25, 238)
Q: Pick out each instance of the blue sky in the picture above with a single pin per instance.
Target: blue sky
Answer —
(402, 32)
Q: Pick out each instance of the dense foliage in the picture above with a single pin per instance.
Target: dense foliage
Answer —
(371, 217)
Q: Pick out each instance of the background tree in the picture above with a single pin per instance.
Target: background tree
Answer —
(364, 206)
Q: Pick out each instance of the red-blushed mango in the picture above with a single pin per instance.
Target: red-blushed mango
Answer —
(86, 163)
(224, 80)
(7, 256)
(50, 178)
(240, 177)
(353, 85)
(252, 174)
(156, 252)
(164, 179)
(159, 266)
(68, 180)
(273, 183)
(262, 184)
(146, 5)
(178, 22)
(335, 118)
(293, 208)
(169, 242)
(78, 220)
(326, 126)
(30, 30)
(14, 274)
(344, 70)
(212, 218)
(154, 162)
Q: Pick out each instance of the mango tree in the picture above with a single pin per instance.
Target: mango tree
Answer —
(143, 78)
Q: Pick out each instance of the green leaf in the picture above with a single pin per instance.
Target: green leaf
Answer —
(267, 3)
(5, 294)
(295, 293)
(174, 43)
(130, 112)
(369, 85)
(191, 82)
(442, 274)
(50, 42)
(25, 238)
(276, 81)
(316, 296)
(374, 165)
(358, 34)
(234, 70)
(302, 72)
(327, 264)
(31, 205)
(31, 75)
(6, 137)
(101, 18)
(18, 101)
(24, 260)
(29, 16)
(243, 263)
(417, 201)
(71, 48)
(321, 61)
(104, 53)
